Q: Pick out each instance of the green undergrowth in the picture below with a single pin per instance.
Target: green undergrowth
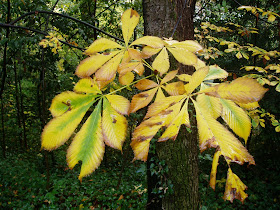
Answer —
(23, 182)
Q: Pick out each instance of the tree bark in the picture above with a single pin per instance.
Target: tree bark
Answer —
(162, 18)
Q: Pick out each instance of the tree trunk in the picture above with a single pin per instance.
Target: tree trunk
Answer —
(162, 18)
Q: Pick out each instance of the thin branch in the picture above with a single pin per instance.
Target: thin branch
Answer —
(65, 16)
(39, 32)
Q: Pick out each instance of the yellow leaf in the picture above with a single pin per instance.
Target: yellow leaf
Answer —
(160, 95)
(169, 76)
(88, 145)
(212, 104)
(108, 71)
(214, 134)
(239, 55)
(127, 78)
(114, 126)
(175, 88)
(87, 85)
(215, 163)
(145, 84)
(151, 41)
(241, 90)
(60, 128)
(196, 79)
(67, 101)
(141, 100)
(215, 72)
(186, 119)
(130, 19)
(188, 45)
(183, 56)
(172, 130)
(148, 51)
(91, 64)
(236, 118)
(271, 18)
(136, 66)
(101, 44)
(249, 106)
(163, 105)
(161, 62)
(234, 188)
(119, 103)
(184, 77)
(140, 149)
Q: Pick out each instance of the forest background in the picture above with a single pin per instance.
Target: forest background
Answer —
(32, 75)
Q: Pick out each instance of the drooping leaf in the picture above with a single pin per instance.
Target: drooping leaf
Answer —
(186, 118)
(114, 126)
(215, 163)
(108, 71)
(119, 103)
(102, 44)
(88, 145)
(140, 149)
(236, 118)
(91, 64)
(67, 101)
(215, 72)
(60, 128)
(214, 134)
(151, 41)
(234, 188)
(161, 62)
(196, 79)
(241, 90)
(130, 19)
(141, 100)
(87, 85)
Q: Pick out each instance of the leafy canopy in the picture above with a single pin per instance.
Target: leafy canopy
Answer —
(168, 94)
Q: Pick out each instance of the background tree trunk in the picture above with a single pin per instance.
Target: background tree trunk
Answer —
(181, 156)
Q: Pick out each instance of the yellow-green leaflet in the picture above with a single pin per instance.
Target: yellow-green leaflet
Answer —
(88, 145)
(60, 128)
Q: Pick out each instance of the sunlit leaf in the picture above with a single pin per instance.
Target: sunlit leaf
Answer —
(234, 188)
(119, 103)
(184, 77)
(88, 145)
(215, 163)
(188, 45)
(101, 45)
(148, 51)
(161, 62)
(140, 149)
(113, 126)
(130, 19)
(249, 106)
(160, 95)
(60, 128)
(241, 90)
